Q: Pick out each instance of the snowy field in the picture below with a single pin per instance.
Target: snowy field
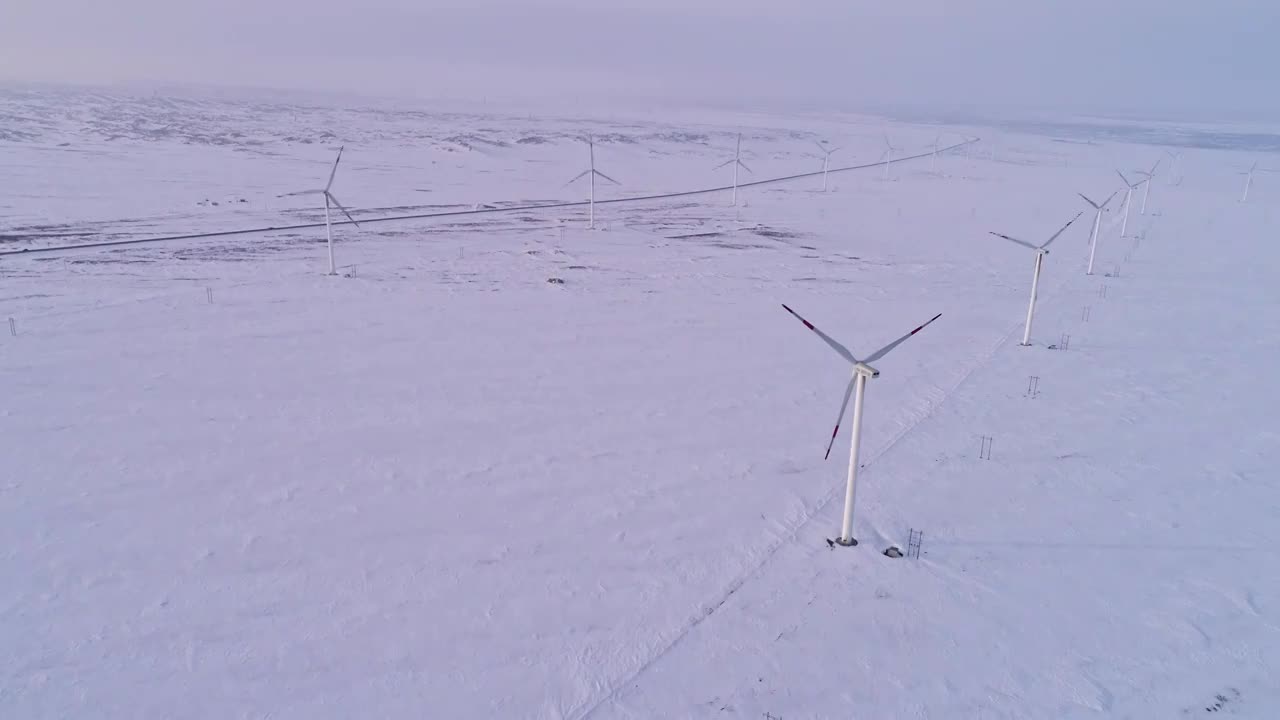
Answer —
(508, 467)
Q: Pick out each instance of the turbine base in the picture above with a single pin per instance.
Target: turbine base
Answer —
(846, 543)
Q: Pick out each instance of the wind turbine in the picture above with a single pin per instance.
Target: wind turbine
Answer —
(826, 161)
(592, 173)
(1149, 175)
(1128, 202)
(1041, 251)
(887, 157)
(1174, 157)
(1248, 182)
(329, 199)
(1097, 222)
(861, 371)
(736, 162)
(933, 160)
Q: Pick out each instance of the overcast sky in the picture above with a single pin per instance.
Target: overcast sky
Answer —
(1163, 57)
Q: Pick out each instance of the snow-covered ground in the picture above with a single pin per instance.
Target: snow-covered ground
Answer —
(231, 486)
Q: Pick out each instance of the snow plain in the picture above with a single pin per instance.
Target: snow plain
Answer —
(445, 487)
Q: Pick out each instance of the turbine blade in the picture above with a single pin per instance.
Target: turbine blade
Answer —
(726, 163)
(1095, 205)
(1125, 179)
(840, 349)
(1107, 201)
(606, 177)
(1064, 229)
(334, 171)
(334, 200)
(301, 192)
(578, 177)
(885, 350)
(1023, 243)
(744, 167)
(844, 405)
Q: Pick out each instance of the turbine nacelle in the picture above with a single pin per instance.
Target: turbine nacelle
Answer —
(862, 368)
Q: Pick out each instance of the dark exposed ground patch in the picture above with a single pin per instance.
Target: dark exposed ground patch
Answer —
(740, 246)
(696, 235)
(775, 234)
(835, 281)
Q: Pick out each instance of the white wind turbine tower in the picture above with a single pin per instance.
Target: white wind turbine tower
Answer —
(861, 371)
(1041, 251)
(1097, 222)
(826, 161)
(329, 200)
(1149, 175)
(1128, 202)
(736, 162)
(887, 157)
(592, 174)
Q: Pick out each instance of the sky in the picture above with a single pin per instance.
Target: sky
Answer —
(1205, 58)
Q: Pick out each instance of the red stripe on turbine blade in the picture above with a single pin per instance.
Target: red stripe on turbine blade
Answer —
(832, 443)
(935, 317)
(793, 312)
